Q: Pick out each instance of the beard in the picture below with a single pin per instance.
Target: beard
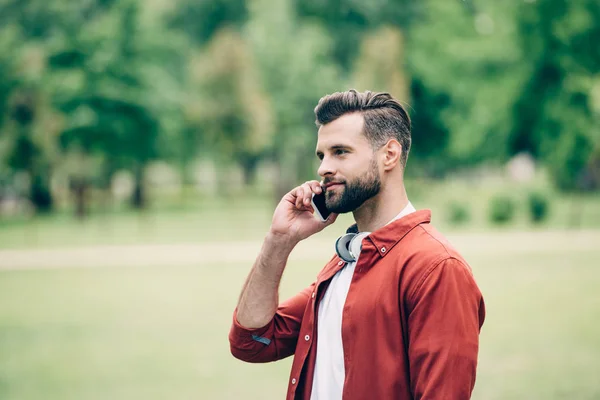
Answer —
(355, 192)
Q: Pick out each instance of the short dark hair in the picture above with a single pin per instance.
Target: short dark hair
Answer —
(385, 118)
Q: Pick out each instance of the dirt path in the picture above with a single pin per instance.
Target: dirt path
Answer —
(244, 252)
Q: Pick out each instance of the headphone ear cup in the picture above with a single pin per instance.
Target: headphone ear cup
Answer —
(341, 247)
(355, 245)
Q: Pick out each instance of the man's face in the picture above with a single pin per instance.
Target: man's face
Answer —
(348, 164)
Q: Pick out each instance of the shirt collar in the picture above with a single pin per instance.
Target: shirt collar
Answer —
(405, 211)
(386, 237)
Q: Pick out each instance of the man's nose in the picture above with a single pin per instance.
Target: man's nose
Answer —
(326, 168)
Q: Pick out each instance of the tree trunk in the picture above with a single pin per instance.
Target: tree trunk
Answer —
(79, 187)
(138, 199)
(39, 194)
(285, 179)
(249, 166)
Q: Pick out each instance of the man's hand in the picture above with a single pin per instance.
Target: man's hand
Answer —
(294, 219)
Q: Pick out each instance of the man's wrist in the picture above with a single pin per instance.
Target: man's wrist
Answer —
(281, 242)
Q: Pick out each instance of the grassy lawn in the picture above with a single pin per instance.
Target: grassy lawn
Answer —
(161, 332)
(215, 219)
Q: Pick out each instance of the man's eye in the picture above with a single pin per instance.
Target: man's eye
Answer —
(340, 151)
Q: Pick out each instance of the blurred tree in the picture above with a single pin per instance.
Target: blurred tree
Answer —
(554, 115)
(8, 76)
(42, 21)
(112, 82)
(380, 65)
(348, 21)
(231, 107)
(464, 85)
(202, 19)
(297, 68)
(26, 143)
(26, 153)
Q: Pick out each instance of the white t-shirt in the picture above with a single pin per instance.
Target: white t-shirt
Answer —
(330, 373)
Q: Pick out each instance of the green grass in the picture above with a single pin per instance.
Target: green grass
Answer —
(161, 332)
(158, 333)
(217, 219)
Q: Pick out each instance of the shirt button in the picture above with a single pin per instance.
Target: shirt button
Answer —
(307, 338)
(340, 263)
(293, 381)
(383, 250)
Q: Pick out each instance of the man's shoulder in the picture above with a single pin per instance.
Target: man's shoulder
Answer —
(425, 248)
(428, 250)
(428, 242)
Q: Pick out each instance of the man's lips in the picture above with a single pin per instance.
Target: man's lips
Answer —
(332, 185)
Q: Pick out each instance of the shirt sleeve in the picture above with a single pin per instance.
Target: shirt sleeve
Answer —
(446, 315)
(277, 339)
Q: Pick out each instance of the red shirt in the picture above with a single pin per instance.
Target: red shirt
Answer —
(410, 326)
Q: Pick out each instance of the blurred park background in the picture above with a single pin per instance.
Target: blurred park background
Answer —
(144, 145)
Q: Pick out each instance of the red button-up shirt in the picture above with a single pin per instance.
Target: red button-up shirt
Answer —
(410, 324)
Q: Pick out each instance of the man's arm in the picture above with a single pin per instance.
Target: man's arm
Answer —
(277, 339)
(263, 331)
(260, 295)
(446, 315)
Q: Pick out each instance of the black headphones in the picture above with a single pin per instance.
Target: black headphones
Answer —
(348, 246)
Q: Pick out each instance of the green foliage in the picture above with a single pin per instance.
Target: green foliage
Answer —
(538, 205)
(8, 75)
(501, 209)
(102, 85)
(278, 38)
(109, 109)
(202, 19)
(231, 107)
(464, 85)
(348, 21)
(554, 114)
(458, 213)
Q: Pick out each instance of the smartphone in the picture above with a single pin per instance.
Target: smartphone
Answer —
(318, 203)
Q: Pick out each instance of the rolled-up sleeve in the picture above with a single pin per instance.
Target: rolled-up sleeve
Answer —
(447, 312)
(277, 339)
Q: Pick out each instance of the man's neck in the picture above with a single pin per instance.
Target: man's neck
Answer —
(381, 209)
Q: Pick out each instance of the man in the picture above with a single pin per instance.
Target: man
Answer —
(399, 317)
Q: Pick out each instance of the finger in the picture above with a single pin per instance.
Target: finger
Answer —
(302, 193)
(315, 186)
(299, 197)
(307, 208)
(308, 193)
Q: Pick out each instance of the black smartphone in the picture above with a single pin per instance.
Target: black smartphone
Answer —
(318, 203)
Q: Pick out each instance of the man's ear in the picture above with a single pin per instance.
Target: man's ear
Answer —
(392, 153)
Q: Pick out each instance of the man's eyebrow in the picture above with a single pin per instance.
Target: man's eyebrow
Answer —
(339, 146)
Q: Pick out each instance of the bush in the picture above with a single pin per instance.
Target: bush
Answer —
(502, 209)
(458, 213)
(538, 206)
